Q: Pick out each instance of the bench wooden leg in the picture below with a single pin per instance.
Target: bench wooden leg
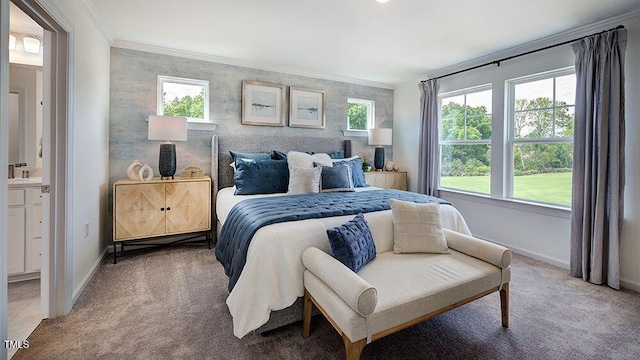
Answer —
(306, 315)
(353, 349)
(504, 304)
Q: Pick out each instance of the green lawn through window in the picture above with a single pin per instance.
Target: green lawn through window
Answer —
(554, 188)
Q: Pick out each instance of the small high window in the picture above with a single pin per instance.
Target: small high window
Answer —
(360, 114)
(183, 97)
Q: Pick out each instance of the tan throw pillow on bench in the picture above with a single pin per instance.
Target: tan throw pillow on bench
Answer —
(417, 228)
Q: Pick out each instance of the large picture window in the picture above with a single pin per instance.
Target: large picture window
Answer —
(183, 97)
(541, 118)
(465, 140)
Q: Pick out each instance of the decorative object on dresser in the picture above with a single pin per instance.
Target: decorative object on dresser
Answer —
(380, 138)
(167, 128)
(145, 173)
(387, 179)
(262, 103)
(191, 172)
(389, 166)
(133, 169)
(306, 108)
(154, 208)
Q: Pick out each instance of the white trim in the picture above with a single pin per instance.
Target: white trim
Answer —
(204, 126)
(87, 278)
(355, 133)
(537, 44)
(4, 161)
(515, 204)
(96, 18)
(248, 64)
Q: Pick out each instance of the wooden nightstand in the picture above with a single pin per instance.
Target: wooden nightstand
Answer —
(147, 209)
(387, 179)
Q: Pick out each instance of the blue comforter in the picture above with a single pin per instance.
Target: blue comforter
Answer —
(250, 215)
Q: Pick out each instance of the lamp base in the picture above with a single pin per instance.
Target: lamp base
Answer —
(167, 161)
(378, 160)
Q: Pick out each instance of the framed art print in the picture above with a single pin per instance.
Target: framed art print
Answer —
(262, 103)
(306, 108)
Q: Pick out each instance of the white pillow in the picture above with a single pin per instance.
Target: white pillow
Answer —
(304, 180)
(417, 228)
(300, 159)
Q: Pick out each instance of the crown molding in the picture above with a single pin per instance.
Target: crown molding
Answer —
(96, 18)
(60, 18)
(253, 65)
(575, 33)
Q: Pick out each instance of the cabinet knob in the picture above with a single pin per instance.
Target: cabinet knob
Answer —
(168, 208)
(162, 209)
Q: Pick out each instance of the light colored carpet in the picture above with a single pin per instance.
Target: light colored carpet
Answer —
(170, 303)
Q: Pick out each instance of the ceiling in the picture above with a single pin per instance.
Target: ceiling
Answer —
(359, 39)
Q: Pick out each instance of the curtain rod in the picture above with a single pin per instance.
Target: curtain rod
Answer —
(497, 62)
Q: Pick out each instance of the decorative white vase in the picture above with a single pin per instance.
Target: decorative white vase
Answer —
(145, 169)
(133, 169)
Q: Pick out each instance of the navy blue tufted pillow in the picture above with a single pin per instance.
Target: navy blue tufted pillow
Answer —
(336, 178)
(352, 243)
(261, 177)
(357, 174)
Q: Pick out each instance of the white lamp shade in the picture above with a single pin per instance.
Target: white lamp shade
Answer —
(167, 128)
(31, 45)
(12, 42)
(380, 136)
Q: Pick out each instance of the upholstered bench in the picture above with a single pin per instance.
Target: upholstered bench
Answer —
(395, 291)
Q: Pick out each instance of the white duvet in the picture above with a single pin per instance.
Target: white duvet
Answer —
(272, 277)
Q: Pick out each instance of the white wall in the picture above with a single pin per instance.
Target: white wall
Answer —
(90, 63)
(540, 233)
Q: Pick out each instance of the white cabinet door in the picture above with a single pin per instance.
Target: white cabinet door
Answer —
(16, 237)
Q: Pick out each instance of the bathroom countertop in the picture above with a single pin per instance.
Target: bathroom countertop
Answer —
(22, 182)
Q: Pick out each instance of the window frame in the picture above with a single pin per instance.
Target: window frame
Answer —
(511, 140)
(162, 79)
(441, 142)
(371, 113)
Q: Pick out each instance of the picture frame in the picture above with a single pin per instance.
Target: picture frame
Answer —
(262, 103)
(306, 108)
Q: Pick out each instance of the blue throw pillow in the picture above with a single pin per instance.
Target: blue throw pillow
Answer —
(278, 155)
(255, 156)
(261, 177)
(357, 174)
(352, 243)
(336, 178)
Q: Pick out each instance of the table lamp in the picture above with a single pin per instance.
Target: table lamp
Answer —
(167, 128)
(380, 137)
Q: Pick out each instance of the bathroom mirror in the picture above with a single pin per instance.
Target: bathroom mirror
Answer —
(25, 114)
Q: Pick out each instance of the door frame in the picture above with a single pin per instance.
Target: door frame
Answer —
(58, 90)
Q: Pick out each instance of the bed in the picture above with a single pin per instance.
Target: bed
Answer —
(267, 293)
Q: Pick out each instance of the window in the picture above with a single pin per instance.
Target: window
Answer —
(360, 114)
(541, 118)
(184, 97)
(465, 140)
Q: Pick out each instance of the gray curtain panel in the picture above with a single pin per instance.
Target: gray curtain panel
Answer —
(598, 158)
(429, 149)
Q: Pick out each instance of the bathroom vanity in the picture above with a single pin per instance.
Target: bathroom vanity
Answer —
(24, 228)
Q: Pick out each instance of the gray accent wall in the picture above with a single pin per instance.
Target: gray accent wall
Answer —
(133, 99)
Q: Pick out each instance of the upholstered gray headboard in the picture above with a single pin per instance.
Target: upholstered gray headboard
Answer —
(222, 173)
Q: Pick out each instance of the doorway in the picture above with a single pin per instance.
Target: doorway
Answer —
(55, 275)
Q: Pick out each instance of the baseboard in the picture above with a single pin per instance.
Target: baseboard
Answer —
(624, 283)
(23, 277)
(83, 284)
(629, 284)
(531, 254)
